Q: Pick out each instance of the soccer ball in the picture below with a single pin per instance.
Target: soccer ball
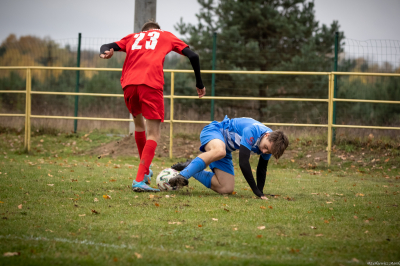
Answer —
(163, 178)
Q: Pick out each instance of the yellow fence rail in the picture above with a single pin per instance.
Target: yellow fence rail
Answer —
(330, 100)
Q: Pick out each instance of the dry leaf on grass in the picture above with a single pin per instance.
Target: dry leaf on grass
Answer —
(174, 223)
(50, 185)
(151, 196)
(319, 235)
(10, 254)
(20, 206)
(259, 236)
(106, 196)
(313, 227)
(81, 215)
(157, 205)
(261, 227)
(214, 219)
(94, 211)
(138, 255)
(234, 229)
(95, 200)
(263, 207)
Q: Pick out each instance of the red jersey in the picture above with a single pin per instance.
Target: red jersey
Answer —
(145, 54)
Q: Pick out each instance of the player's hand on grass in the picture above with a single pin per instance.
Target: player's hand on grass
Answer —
(264, 198)
(201, 92)
(107, 54)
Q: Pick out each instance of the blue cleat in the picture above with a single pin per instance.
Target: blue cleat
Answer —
(147, 178)
(142, 187)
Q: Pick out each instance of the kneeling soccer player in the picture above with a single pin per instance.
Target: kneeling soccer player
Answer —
(218, 141)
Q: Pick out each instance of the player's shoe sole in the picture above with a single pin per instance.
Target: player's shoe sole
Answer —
(178, 181)
(182, 165)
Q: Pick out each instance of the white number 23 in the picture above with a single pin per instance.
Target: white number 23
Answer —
(149, 44)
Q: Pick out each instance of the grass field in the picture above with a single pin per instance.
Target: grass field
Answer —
(59, 207)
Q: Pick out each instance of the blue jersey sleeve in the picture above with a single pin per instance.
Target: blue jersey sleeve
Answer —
(249, 137)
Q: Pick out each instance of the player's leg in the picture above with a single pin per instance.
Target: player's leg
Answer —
(153, 136)
(149, 105)
(214, 149)
(140, 133)
(222, 182)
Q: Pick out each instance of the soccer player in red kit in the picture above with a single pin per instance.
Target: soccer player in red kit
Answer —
(143, 81)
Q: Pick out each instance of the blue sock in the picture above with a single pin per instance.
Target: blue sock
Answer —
(204, 177)
(194, 167)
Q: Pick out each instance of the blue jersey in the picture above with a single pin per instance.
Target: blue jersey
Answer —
(244, 131)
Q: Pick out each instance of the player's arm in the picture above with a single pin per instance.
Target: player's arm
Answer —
(195, 61)
(107, 50)
(244, 163)
(261, 173)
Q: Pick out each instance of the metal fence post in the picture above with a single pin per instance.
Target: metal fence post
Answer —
(27, 143)
(330, 111)
(171, 115)
(335, 84)
(214, 56)
(78, 64)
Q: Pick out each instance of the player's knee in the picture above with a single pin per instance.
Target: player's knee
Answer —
(219, 154)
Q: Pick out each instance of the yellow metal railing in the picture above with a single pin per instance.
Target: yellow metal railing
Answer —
(330, 100)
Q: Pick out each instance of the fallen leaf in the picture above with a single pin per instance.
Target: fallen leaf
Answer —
(94, 211)
(270, 207)
(387, 160)
(157, 205)
(200, 225)
(151, 196)
(234, 229)
(112, 180)
(138, 255)
(326, 221)
(313, 227)
(262, 207)
(259, 236)
(174, 222)
(226, 210)
(136, 197)
(115, 259)
(261, 227)
(214, 219)
(234, 193)
(1, 202)
(167, 196)
(81, 215)
(319, 235)
(355, 217)
(107, 196)
(10, 254)
(328, 202)
(355, 260)
(95, 200)
(20, 206)
(48, 230)
(187, 246)
(50, 185)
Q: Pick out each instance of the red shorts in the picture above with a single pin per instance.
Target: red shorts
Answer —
(145, 100)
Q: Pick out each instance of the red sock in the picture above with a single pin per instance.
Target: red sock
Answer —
(145, 160)
(140, 138)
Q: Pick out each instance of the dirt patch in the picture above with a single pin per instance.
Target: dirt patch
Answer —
(182, 148)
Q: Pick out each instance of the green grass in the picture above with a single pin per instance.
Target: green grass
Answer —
(354, 212)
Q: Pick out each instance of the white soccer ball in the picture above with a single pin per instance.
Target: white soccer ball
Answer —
(163, 179)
